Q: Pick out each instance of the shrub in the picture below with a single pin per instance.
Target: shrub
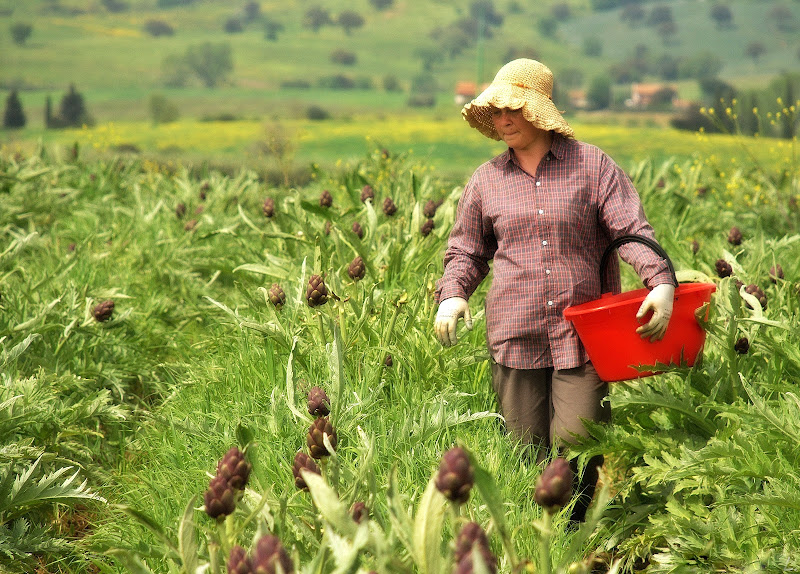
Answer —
(381, 4)
(233, 26)
(173, 3)
(157, 28)
(162, 111)
(316, 17)
(317, 113)
(296, 84)
(115, 6)
(343, 57)
(20, 32)
(337, 82)
(349, 20)
(271, 29)
(391, 83)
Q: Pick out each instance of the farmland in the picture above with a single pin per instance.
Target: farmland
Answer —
(194, 358)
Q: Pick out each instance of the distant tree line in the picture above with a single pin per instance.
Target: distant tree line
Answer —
(71, 112)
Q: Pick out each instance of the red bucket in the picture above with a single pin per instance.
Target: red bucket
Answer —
(607, 327)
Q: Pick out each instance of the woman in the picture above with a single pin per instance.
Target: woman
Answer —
(544, 211)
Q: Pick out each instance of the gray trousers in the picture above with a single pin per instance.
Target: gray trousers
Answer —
(543, 408)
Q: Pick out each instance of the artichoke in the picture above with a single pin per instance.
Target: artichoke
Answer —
(180, 210)
(268, 207)
(270, 553)
(316, 445)
(758, 293)
(723, 268)
(426, 228)
(277, 296)
(695, 246)
(303, 461)
(775, 273)
(356, 269)
(430, 209)
(554, 486)
(238, 562)
(234, 468)
(456, 475)
(367, 193)
(742, 346)
(327, 228)
(190, 225)
(472, 536)
(325, 199)
(220, 498)
(317, 292)
(318, 402)
(735, 236)
(103, 311)
(359, 512)
(389, 208)
(358, 230)
(388, 361)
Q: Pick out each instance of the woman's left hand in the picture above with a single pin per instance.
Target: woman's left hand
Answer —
(659, 301)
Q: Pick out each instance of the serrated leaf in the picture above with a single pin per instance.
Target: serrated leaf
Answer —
(427, 536)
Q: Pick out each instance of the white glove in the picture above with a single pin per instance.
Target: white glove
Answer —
(659, 301)
(447, 319)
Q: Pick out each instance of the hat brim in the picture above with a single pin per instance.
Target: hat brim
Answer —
(536, 107)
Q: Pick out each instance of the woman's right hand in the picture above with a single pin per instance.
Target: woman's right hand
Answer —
(447, 319)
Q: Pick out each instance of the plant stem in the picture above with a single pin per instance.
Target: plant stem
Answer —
(545, 565)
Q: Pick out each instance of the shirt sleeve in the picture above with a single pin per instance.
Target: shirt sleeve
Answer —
(621, 213)
(470, 247)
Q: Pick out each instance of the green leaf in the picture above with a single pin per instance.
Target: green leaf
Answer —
(327, 502)
(489, 493)
(187, 544)
(427, 537)
(149, 523)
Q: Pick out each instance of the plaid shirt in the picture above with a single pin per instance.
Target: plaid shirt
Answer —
(546, 235)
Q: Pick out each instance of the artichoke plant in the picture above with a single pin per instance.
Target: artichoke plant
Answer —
(318, 402)
(314, 438)
(268, 207)
(317, 292)
(269, 554)
(277, 296)
(456, 475)
(234, 468)
(367, 193)
(103, 311)
(723, 268)
(554, 486)
(238, 561)
(389, 208)
(356, 269)
(303, 461)
(325, 199)
(220, 498)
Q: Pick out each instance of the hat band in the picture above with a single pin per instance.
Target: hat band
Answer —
(526, 87)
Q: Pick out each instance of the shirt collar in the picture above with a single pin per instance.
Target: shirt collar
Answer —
(557, 150)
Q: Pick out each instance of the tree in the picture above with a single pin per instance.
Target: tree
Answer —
(272, 28)
(158, 28)
(14, 116)
(211, 62)
(381, 4)
(667, 30)
(316, 17)
(349, 20)
(755, 50)
(20, 32)
(722, 15)
(599, 93)
(162, 110)
(659, 15)
(484, 9)
(592, 47)
(633, 14)
(252, 11)
(72, 112)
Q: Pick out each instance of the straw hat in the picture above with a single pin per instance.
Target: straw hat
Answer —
(521, 83)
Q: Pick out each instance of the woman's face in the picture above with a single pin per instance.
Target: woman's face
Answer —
(518, 133)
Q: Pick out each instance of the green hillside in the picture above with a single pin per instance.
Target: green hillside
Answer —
(117, 65)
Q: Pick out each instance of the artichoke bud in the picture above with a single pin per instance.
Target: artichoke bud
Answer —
(367, 193)
(220, 498)
(388, 361)
(356, 269)
(359, 512)
(426, 228)
(775, 273)
(103, 311)
(234, 468)
(318, 402)
(325, 199)
(389, 208)
(471, 534)
(758, 293)
(742, 346)
(735, 236)
(270, 553)
(314, 438)
(238, 562)
(276, 296)
(430, 209)
(456, 475)
(317, 292)
(180, 210)
(303, 461)
(554, 486)
(358, 230)
(268, 207)
(723, 268)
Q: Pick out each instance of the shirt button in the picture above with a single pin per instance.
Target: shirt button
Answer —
(544, 242)
(538, 183)
(541, 211)
(550, 303)
(547, 271)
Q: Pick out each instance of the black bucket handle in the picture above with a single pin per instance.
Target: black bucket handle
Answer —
(622, 239)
